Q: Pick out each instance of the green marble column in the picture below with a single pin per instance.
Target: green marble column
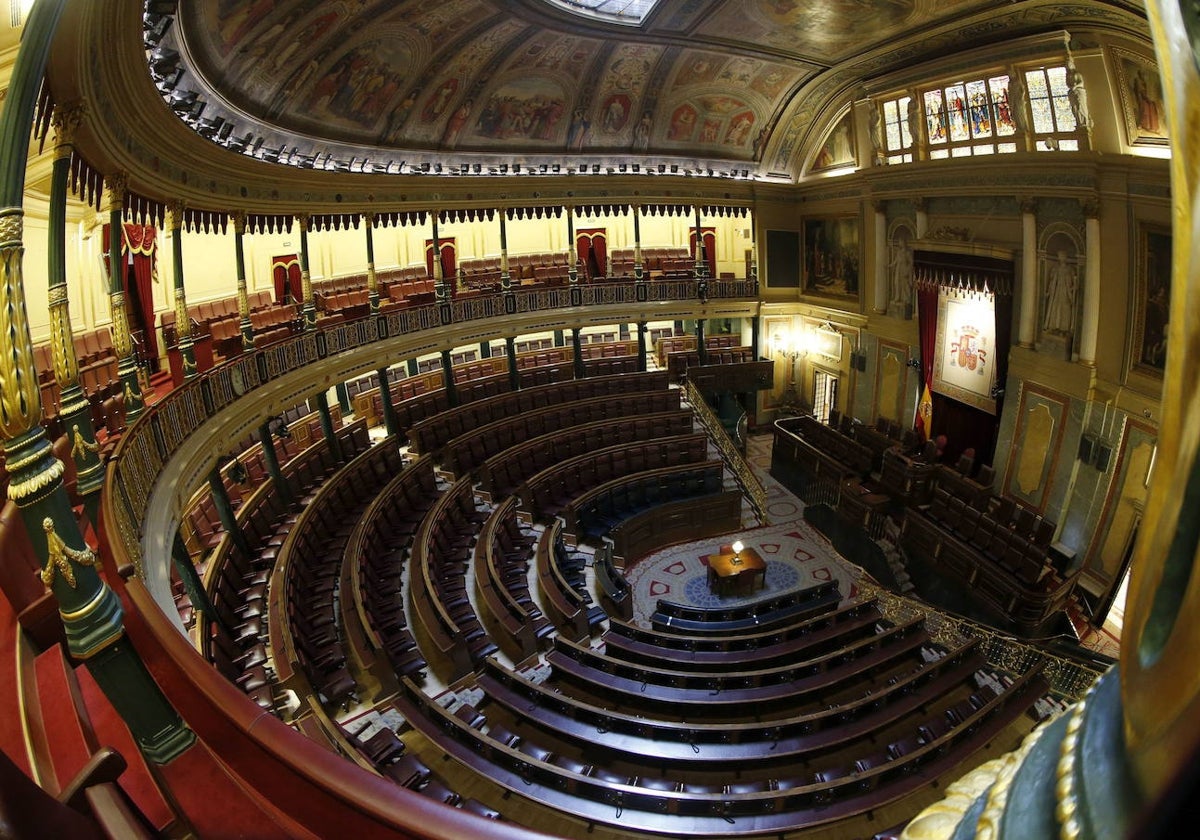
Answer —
(239, 249)
(372, 278)
(505, 277)
(641, 338)
(308, 308)
(577, 354)
(74, 409)
(572, 251)
(700, 346)
(267, 442)
(183, 322)
(514, 374)
(327, 425)
(390, 421)
(90, 610)
(448, 380)
(755, 335)
(637, 243)
(127, 369)
(224, 506)
(194, 586)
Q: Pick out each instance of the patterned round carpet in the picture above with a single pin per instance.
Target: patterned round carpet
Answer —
(796, 555)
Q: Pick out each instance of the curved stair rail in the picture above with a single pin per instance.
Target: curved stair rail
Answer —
(734, 459)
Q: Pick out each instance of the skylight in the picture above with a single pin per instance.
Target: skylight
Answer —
(629, 12)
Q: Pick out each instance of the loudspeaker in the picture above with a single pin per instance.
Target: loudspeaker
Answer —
(1087, 449)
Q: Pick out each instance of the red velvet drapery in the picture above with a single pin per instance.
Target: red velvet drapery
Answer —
(710, 247)
(591, 244)
(449, 258)
(139, 250)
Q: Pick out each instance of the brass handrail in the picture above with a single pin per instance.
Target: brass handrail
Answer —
(742, 472)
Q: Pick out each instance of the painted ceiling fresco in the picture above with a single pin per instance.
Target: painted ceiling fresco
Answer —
(699, 79)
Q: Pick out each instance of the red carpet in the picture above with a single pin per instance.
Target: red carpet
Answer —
(111, 731)
(12, 736)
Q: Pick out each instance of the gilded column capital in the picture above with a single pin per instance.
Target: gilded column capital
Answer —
(304, 220)
(879, 206)
(178, 210)
(1029, 204)
(1090, 206)
(66, 120)
(369, 218)
(239, 221)
(115, 187)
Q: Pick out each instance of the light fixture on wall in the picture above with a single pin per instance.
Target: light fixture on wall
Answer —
(786, 345)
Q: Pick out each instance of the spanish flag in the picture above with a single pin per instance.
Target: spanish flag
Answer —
(925, 414)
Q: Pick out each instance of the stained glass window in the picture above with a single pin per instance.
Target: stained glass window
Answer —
(1050, 104)
(976, 117)
(896, 129)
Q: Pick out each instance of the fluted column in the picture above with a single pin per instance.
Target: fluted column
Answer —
(1090, 325)
(372, 277)
(239, 250)
(1027, 326)
(183, 323)
(90, 610)
(74, 409)
(308, 308)
(881, 260)
(127, 369)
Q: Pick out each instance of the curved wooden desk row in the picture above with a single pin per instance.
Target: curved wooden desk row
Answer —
(302, 619)
(685, 619)
(629, 636)
(833, 629)
(622, 423)
(373, 617)
(771, 683)
(595, 512)
(632, 737)
(502, 558)
(752, 805)
(552, 489)
(999, 582)
(568, 606)
(440, 555)
(432, 433)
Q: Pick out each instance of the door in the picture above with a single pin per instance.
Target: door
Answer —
(825, 389)
(285, 273)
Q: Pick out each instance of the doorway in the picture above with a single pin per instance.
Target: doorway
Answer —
(825, 392)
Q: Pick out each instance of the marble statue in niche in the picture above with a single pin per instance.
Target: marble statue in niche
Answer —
(900, 273)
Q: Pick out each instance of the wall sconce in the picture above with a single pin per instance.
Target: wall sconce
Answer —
(915, 364)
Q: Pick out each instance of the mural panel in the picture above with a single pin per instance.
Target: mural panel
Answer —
(1152, 299)
(832, 258)
(838, 149)
(1141, 99)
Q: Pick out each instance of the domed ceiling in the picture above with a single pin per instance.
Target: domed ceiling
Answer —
(336, 83)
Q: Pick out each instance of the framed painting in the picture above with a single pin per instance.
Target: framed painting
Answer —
(1152, 299)
(1141, 99)
(832, 257)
